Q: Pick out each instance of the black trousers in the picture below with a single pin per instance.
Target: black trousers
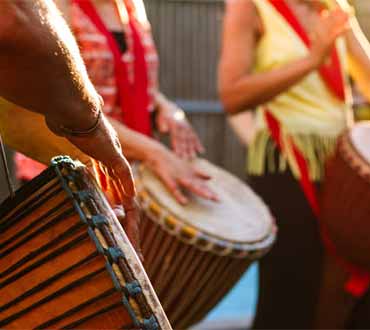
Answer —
(289, 276)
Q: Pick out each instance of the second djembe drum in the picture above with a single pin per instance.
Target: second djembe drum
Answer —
(345, 207)
(194, 254)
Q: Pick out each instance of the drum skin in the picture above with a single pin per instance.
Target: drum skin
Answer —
(345, 206)
(51, 272)
(193, 268)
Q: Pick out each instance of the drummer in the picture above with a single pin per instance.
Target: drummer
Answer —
(287, 59)
(69, 104)
(117, 46)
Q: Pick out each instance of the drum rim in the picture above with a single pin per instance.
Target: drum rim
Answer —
(67, 169)
(202, 239)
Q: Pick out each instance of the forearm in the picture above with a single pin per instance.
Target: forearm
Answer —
(136, 146)
(359, 57)
(252, 90)
(41, 62)
(38, 142)
(27, 132)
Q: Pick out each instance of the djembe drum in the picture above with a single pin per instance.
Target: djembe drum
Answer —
(66, 262)
(345, 207)
(195, 254)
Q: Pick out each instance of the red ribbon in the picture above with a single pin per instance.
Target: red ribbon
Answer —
(134, 96)
(331, 72)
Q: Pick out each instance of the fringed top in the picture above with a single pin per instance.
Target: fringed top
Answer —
(309, 113)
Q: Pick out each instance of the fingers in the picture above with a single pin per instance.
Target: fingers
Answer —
(119, 212)
(121, 171)
(337, 21)
(191, 151)
(100, 175)
(173, 188)
(197, 187)
(129, 216)
(178, 141)
(185, 141)
(198, 144)
(202, 174)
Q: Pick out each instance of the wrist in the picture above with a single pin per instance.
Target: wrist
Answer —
(76, 118)
(153, 151)
(313, 61)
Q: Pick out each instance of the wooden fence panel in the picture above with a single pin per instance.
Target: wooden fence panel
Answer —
(187, 34)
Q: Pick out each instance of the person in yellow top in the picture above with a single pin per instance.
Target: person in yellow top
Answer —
(291, 60)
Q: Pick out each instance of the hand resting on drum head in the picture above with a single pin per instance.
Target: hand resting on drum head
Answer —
(179, 175)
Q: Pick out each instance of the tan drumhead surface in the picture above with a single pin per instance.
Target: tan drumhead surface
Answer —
(240, 216)
(360, 137)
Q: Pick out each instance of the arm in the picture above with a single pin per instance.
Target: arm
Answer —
(42, 145)
(41, 70)
(174, 172)
(42, 64)
(172, 120)
(239, 88)
(359, 57)
(34, 140)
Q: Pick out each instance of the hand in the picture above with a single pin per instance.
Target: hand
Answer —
(177, 174)
(172, 120)
(331, 25)
(129, 217)
(103, 145)
(125, 207)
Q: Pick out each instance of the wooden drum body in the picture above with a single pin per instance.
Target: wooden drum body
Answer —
(346, 196)
(66, 262)
(195, 254)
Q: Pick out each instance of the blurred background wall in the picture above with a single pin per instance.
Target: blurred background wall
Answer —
(187, 34)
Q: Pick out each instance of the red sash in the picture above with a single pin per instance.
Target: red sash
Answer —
(134, 96)
(331, 73)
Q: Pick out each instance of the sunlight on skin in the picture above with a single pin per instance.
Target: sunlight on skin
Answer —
(62, 30)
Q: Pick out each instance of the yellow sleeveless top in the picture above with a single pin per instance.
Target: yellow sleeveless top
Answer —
(308, 111)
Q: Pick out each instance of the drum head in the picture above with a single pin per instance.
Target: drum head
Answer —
(360, 138)
(239, 217)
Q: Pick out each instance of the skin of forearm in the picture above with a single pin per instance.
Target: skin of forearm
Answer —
(38, 142)
(359, 57)
(42, 65)
(163, 104)
(136, 146)
(27, 132)
(252, 90)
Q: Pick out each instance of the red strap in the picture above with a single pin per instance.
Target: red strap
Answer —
(134, 96)
(139, 120)
(331, 72)
(359, 281)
